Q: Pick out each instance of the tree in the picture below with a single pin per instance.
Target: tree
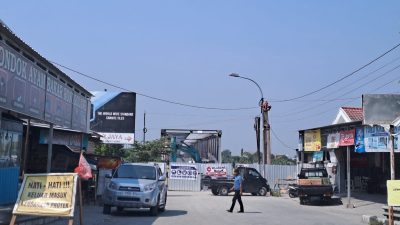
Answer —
(226, 156)
(109, 150)
(151, 151)
(282, 160)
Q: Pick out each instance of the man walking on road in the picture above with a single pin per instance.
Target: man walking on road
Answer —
(237, 187)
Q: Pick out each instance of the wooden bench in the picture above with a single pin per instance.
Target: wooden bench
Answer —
(396, 212)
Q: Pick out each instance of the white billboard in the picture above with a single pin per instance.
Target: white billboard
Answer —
(118, 138)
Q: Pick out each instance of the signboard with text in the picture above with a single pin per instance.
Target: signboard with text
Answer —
(183, 172)
(312, 140)
(215, 171)
(113, 116)
(50, 194)
(393, 189)
(30, 90)
(333, 140)
(347, 137)
(117, 138)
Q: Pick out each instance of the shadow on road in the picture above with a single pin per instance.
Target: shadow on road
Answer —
(332, 202)
(146, 213)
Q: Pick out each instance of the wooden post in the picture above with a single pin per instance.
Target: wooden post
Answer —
(80, 202)
(392, 169)
(349, 205)
(13, 219)
(26, 147)
(50, 148)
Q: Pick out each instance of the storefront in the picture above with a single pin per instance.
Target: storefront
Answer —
(369, 155)
(32, 89)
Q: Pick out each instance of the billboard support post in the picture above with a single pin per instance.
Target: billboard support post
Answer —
(392, 169)
(50, 148)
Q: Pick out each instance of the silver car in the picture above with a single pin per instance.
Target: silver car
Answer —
(136, 185)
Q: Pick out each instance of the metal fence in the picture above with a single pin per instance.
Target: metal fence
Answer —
(9, 185)
(274, 174)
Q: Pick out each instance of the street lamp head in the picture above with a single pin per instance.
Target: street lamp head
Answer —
(234, 75)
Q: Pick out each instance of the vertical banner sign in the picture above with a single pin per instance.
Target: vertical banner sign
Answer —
(183, 172)
(333, 140)
(393, 189)
(359, 145)
(347, 137)
(50, 194)
(312, 140)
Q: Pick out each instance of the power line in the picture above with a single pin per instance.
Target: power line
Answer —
(152, 97)
(330, 109)
(341, 79)
(348, 92)
(280, 140)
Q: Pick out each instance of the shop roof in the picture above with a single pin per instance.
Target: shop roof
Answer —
(7, 33)
(354, 113)
(354, 123)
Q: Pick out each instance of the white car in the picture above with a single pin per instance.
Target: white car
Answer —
(136, 185)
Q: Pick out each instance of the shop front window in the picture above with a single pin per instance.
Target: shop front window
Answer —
(10, 148)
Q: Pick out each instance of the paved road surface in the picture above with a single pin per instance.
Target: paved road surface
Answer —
(202, 208)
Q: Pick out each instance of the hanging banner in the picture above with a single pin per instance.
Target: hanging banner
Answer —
(312, 140)
(359, 142)
(347, 137)
(376, 139)
(333, 140)
(393, 190)
(50, 194)
(183, 172)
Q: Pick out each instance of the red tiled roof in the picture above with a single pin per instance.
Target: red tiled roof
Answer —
(355, 114)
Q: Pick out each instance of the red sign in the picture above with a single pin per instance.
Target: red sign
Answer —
(347, 137)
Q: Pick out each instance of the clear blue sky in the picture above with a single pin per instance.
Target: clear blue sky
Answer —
(184, 51)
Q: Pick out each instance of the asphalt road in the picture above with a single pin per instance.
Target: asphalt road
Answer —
(202, 208)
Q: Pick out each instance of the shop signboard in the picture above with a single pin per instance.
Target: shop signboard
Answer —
(80, 112)
(60, 137)
(28, 89)
(22, 83)
(114, 116)
(347, 137)
(117, 138)
(333, 140)
(50, 194)
(183, 172)
(359, 141)
(58, 102)
(318, 156)
(376, 139)
(312, 140)
(393, 190)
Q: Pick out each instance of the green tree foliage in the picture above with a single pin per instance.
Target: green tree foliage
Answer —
(249, 158)
(282, 160)
(109, 150)
(151, 151)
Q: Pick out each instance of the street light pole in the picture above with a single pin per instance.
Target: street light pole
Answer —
(265, 107)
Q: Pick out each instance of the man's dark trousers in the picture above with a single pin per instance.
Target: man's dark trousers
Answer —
(238, 197)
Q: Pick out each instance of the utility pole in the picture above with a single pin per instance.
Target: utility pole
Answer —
(257, 129)
(144, 127)
(265, 107)
(392, 170)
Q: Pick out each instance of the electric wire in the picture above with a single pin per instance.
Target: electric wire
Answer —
(280, 140)
(340, 79)
(152, 97)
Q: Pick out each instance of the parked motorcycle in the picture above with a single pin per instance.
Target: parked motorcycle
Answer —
(293, 190)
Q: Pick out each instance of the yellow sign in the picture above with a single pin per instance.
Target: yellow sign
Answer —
(312, 140)
(50, 194)
(393, 187)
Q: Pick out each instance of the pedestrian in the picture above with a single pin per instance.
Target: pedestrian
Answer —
(238, 189)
